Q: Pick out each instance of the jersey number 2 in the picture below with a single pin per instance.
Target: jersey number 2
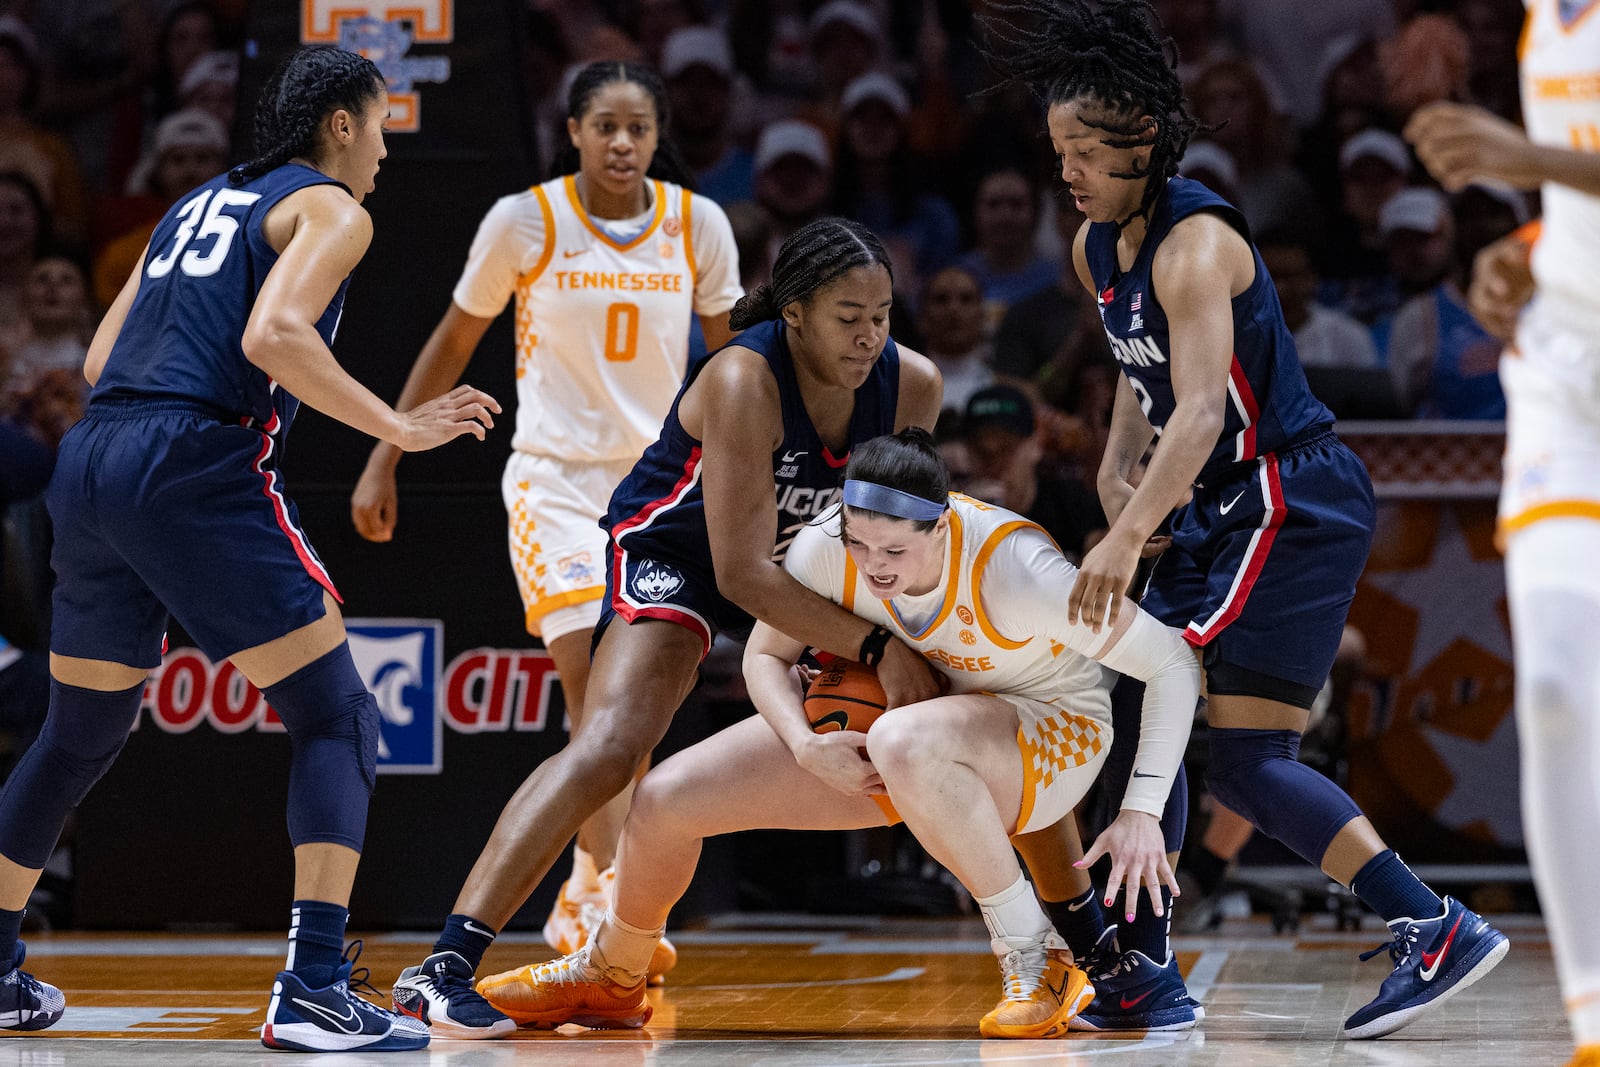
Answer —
(622, 332)
(203, 217)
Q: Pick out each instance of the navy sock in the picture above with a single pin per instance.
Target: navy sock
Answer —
(10, 932)
(1208, 869)
(466, 936)
(1079, 921)
(1387, 886)
(316, 941)
(1147, 933)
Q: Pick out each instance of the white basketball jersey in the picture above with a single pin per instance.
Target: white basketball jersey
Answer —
(1560, 63)
(1019, 645)
(602, 326)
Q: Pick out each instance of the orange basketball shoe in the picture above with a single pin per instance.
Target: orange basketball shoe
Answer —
(1043, 989)
(577, 988)
(1588, 1056)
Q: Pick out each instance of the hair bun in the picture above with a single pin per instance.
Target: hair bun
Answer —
(755, 306)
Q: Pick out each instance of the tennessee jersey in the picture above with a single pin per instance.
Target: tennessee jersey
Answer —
(205, 265)
(602, 324)
(1561, 107)
(1269, 404)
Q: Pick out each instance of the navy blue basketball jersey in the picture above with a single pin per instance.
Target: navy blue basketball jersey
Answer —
(1269, 404)
(206, 262)
(658, 511)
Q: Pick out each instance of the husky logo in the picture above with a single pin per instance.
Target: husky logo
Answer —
(655, 582)
(399, 661)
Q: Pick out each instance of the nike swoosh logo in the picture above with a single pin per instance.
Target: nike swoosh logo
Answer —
(1431, 961)
(570, 254)
(476, 929)
(839, 720)
(334, 1018)
(790, 457)
(1224, 509)
(1061, 992)
(1136, 1001)
(1080, 905)
(1141, 774)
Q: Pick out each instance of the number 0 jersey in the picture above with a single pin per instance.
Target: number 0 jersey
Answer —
(205, 265)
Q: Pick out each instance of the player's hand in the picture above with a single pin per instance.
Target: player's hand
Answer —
(1138, 857)
(840, 760)
(375, 503)
(1460, 144)
(462, 410)
(1502, 282)
(1103, 579)
(906, 677)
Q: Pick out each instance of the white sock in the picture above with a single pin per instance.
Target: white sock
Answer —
(1555, 610)
(626, 949)
(1014, 917)
(585, 880)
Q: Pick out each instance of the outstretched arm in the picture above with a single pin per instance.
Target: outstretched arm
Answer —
(1460, 144)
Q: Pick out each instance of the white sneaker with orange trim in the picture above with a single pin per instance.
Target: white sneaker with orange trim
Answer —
(1043, 990)
(576, 988)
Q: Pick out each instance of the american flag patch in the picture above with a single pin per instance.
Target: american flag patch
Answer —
(1137, 298)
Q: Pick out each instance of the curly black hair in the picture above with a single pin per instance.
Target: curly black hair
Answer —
(666, 164)
(307, 87)
(1114, 54)
(813, 256)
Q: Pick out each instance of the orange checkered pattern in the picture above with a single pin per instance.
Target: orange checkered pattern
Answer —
(524, 541)
(1051, 748)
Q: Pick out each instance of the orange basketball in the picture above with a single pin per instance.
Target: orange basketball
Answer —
(845, 696)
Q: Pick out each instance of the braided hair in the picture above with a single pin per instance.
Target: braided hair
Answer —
(305, 89)
(1114, 54)
(814, 255)
(666, 164)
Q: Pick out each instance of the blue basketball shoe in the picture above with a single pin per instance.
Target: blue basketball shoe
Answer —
(1434, 959)
(334, 1018)
(439, 991)
(25, 1002)
(1136, 993)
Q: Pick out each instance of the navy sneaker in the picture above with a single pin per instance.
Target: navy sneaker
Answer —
(439, 991)
(25, 1002)
(1102, 959)
(1434, 959)
(335, 1019)
(1136, 993)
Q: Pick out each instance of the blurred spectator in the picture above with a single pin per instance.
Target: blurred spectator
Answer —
(1274, 33)
(1373, 166)
(1492, 28)
(653, 22)
(1195, 26)
(1351, 84)
(1232, 98)
(1212, 166)
(950, 319)
(1428, 60)
(771, 45)
(1419, 238)
(1006, 452)
(1044, 337)
(25, 146)
(697, 65)
(1323, 336)
(752, 235)
(191, 147)
(847, 41)
(1005, 257)
(59, 323)
(24, 234)
(190, 32)
(876, 181)
(793, 167)
(1444, 364)
(211, 84)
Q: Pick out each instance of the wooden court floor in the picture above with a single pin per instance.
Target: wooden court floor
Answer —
(797, 990)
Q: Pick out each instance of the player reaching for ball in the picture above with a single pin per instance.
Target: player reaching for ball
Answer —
(979, 591)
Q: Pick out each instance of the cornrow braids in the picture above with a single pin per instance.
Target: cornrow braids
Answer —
(305, 88)
(814, 255)
(666, 164)
(1114, 54)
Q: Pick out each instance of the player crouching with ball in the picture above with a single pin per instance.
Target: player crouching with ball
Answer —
(1009, 751)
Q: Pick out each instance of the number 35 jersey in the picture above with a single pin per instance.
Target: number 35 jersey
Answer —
(602, 326)
(206, 262)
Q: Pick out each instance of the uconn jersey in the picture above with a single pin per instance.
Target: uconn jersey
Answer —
(206, 263)
(657, 515)
(1269, 404)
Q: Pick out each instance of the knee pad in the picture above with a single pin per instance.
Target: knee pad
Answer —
(1254, 773)
(332, 721)
(82, 736)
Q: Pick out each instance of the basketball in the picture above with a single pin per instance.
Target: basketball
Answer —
(845, 696)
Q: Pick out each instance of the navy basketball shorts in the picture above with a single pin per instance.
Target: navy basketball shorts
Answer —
(644, 587)
(161, 506)
(1264, 560)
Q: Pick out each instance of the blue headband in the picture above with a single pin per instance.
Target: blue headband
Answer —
(870, 496)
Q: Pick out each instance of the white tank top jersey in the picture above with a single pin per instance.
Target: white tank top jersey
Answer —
(997, 623)
(1560, 62)
(602, 329)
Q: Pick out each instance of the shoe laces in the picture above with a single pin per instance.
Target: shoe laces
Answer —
(1023, 969)
(1398, 947)
(570, 969)
(357, 980)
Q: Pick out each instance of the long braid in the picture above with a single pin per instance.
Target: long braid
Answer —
(814, 255)
(1115, 55)
(666, 164)
(300, 93)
